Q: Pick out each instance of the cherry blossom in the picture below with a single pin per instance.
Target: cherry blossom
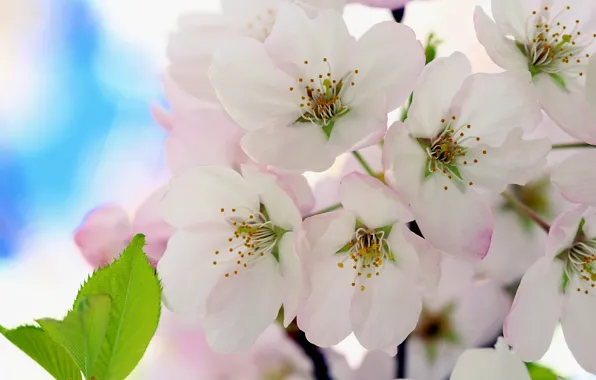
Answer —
(306, 99)
(234, 259)
(553, 40)
(576, 178)
(463, 132)
(367, 270)
(559, 287)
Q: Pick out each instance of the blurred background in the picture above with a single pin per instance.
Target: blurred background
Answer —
(77, 79)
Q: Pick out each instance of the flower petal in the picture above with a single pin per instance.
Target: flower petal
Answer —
(300, 147)
(530, 325)
(375, 204)
(200, 193)
(576, 179)
(563, 231)
(511, 16)
(328, 233)
(577, 320)
(240, 308)
(256, 93)
(389, 60)
(280, 207)
(591, 84)
(291, 274)
(186, 270)
(438, 84)
(568, 108)
(298, 188)
(387, 310)
(500, 49)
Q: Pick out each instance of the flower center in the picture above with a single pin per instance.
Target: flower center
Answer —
(368, 250)
(253, 236)
(554, 47)
(449, 148)
(321, 101)
(260, 27)
(581, 261)
(435, 327)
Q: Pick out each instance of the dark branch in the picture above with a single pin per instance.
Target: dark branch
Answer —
(314, 353)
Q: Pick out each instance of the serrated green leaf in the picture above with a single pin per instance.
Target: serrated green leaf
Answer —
(38, 345)
(136, 305)
(82, 333)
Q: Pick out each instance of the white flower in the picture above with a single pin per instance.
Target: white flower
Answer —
(311, 91)
(576, 177)
(463, 131)
(559, 286)
(499, 363)
(234, 259)
(553, 40)
(367, 270)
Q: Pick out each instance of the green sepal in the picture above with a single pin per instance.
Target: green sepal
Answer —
(328, 129)
(538, 372)
(559, 80)
(455, 170)
(432, 352)
(564, 282)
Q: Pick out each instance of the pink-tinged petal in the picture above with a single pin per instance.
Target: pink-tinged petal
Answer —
(291, 274)
(297, 187)
(516, 161)
(203, 137)
(511, 16)
(281, 209)
(500, 49)
(257, 93)
(536, 309)
(298, 148)
(568, 108)
(494, 104)
(375, 204)
(162, 117)
(591, 84)
(181, 101)
(148, 220)
(328, 233)
(577, 320)
(325, 317)
(389, 60)
(438, 84)
(241, 307)
(199, 194)
(103, 235)
(423, 259)
(387, 310)
(376, 365)
(576, 178)
(589, 228)
(563, 231)
(186, 270)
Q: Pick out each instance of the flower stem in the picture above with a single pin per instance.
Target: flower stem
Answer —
(336, 206)
(364, 164)
(526, 211)
(572, 145)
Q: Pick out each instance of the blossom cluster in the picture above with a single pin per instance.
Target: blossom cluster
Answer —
(270, 91)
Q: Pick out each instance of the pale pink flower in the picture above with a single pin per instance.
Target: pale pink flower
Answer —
(462, 132)
(553, 40)
(490, 364)
(367, 270)
(391, 4)
(576, 177)
(234, 259)
(107, 230)
(559, 287)
(306, 99)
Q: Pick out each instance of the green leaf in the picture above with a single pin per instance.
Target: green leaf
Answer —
(136, 307)
(82, 333)
(538, 372)
(40, 347)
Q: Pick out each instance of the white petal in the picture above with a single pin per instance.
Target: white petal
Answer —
(255, 93)
(438, 84)
(488, 364)
(576, 178)
(375, 204)
(328, 233)
(280, 207)
(535, 312)
(299, 147)
(387, 311)
(512, 16)
(376, 365)
(389, 60)
(577, 320)
(291, 273)
(563, 231)
(186, 269)
(241, 307)
(500, 49)
(494, 104)
(298, 188)
(568, 108)
(423, 259)
(516, 161)
(591, 84)
(325, 317)
(200, 193)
